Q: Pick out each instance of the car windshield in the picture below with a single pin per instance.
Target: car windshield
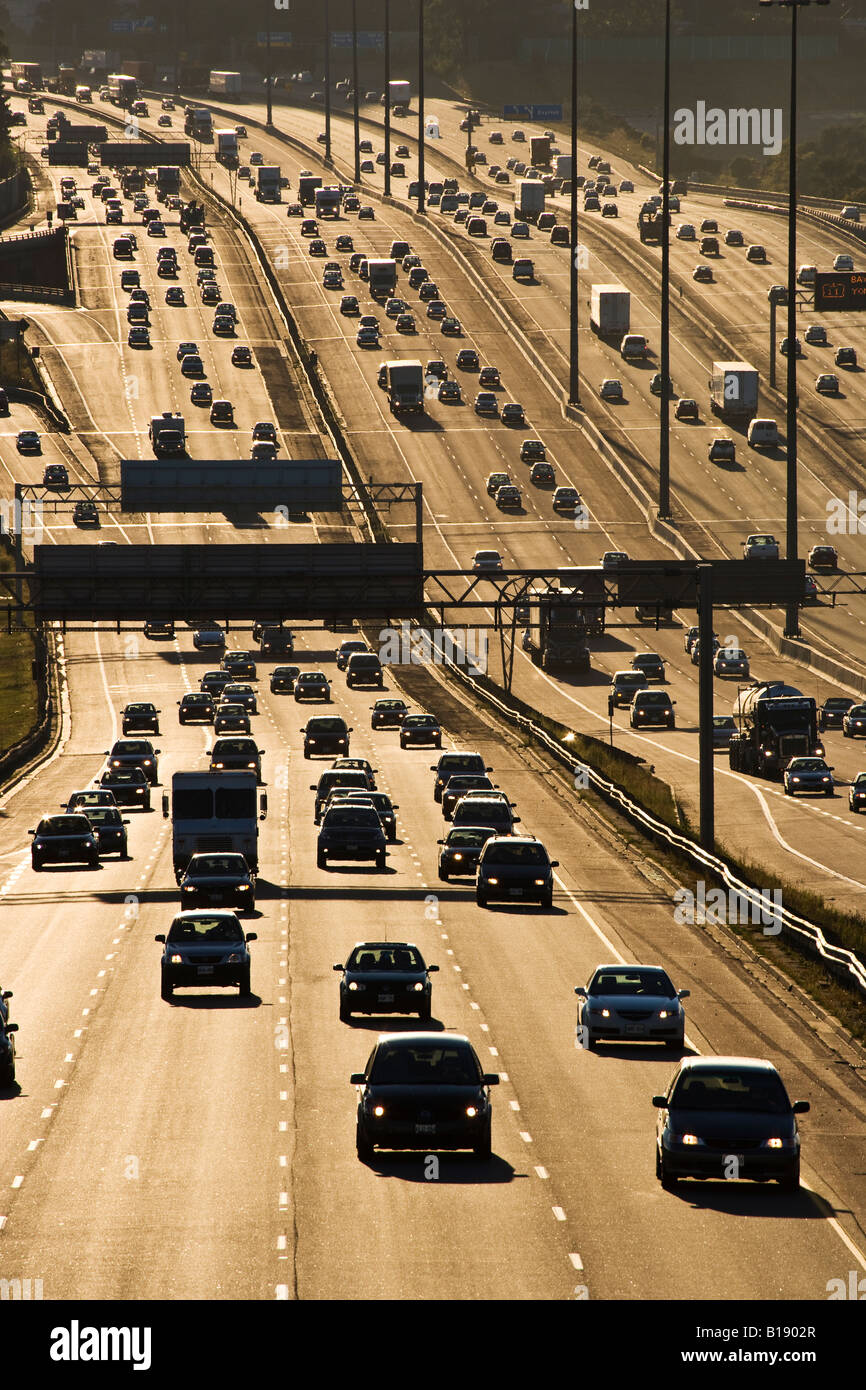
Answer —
(139, 709)
(808, 765)
(723, 721)
(234, 745)
(206, 927)
(390, 704)
(345, 777)
(130, 745)
(217, 864)
(653, 697)
(311, 676)
(122, 775)
(838, 702)
(760, 1092)
(472, 837)
(104, 815)
(64, 825)
(516, 854)
(384, 958)
(424, 1064)
(326, 726)
(460, 762)
(354, 816)
(419, 721)
(197, 700)
(630, 678)
(632, 982)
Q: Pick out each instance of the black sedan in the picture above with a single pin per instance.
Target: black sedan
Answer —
(7, 1052)
(461, 850)
(129, 785)
(854, 722)
(64, 839)
(231, 718)
(423, 1091)
(110, 828)
(630, 1003)
(420, 730)
(239, 693)
(312, 685)
(459, 785)
(197, 707)
(388, 714)
(349, 778)
(139, 718)
(326, 733)
(833, 711)
(727, 1117)
(351, 832)
(513, 868)
(205, 948)
(283, 679)
(385, 977)
(218, 880)
(383, 805)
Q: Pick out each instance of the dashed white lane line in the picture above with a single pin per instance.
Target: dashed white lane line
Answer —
(558, 1213)
(576, 1261)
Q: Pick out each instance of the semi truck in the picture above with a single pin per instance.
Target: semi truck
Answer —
(555, 635)
(268, 184)
(589, 584)
(307, 185)
(775, 723)
(191, 215)
(167, 435)
(31, 73)
(122, 88)
(610, 310)
(329, 200)
(167, 181)
(404, 382)
(650, 223)
(198, 122)
(226, 141)
(539, 150)
(225, 84)
(382, 277)
(734, 390)
(530, 199)
(214, 811)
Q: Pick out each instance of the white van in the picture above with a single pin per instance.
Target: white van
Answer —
(806, 274)
(763, 434)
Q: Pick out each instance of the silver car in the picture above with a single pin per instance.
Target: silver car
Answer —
(631, 1003)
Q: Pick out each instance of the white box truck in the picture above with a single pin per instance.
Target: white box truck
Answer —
(225, 84)
(734, 390)
(610, 310)
(530, 199)
(226, 146)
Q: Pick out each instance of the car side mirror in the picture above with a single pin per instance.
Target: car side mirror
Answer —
(351, 730)
(11, 1027)
(7, 994)
(580, 990)
(433, 767)
(660, 1102)
(337, 967)
(357, 1078)
(31, 832)
(395, 805)
(554, 863)
(684, 994)
(125, 821)
(251, 936)
(431, 968)
(160, 937)
(491, 1078)
(801, 1107)
(516, 820)
(312, 786)
(157, 750)
(165, 804)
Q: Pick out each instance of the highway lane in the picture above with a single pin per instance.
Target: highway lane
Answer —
(158, 1171)
(476, 522)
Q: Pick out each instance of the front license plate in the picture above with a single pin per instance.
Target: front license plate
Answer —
(204, 970)
(425, 1129)
(516, 892)
(351, 849)
(386, 999)
(633, 1028)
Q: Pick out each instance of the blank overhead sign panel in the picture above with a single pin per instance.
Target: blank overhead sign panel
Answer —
(86, 583)
(127, 152)
(230, 485)
(676, 583)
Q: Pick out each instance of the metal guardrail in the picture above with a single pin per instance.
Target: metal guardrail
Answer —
(806, 936)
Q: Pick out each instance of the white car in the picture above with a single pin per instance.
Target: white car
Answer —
(843, 261)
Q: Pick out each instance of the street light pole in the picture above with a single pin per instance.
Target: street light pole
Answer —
(356, 116)
(792, 611)
(387, 98)
(268, 80)
(421, 198)
(573, 345)
(327, 80)
(664, 395)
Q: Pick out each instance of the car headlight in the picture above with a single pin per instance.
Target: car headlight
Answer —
(219, 764)
(773, 1143)
(457, 856)
(176, 960)
(825, 779)
(243, 887)
(539, 883)
(666, 1013)
(795, 779)
(378, 1111)
(250, 764)
(37, 844)
(494, 881)
(690, 1140)
(471, 1111)
(188, 888)
(418, 986)
(356, 985)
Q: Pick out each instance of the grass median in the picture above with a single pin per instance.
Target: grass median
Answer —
(18, 693)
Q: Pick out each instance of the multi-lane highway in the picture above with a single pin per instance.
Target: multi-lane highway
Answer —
(205, 1148)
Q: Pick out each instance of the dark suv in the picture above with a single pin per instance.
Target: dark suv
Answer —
(364, 668)
(277, 641)
(326, 733)
(205, 948)
(350, 778)
(232, 754)
(135, 752)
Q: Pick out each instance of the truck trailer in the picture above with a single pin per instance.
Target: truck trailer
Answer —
(167, 181)
(776, 723)
(225, 84)
(555, 636)
(610, 310)
(399, 95)
(539, 150)
(30, 73)
(214, 811)
(167, 435)
(307, 185)
(530, 199)
(734, 390)
(123, 89)
(198, 122)
(404, 382)
(226, 142)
